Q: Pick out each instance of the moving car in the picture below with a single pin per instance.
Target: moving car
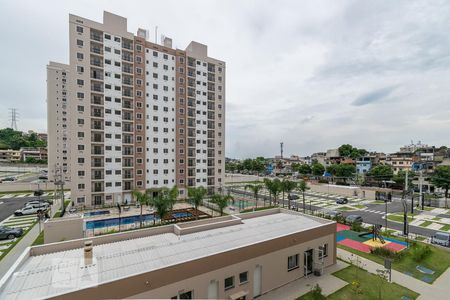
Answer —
(38, 193)
(342, 201)
(10, 233)
(354, 219)
(441, 238)
(29, 210)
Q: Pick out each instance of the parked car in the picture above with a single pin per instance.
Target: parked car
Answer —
(354, 219)
(10, 233)
(333, 213)
(10, 178)
(441, 238)
(342, 201)
(39, 204)
(43, 177)
(293, 197)
(29, 210)
(38, 193)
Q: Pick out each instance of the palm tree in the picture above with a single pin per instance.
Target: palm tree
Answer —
(142, 198)
(276, 189)
(288, 186)
(161, 205)
(196, 195)
(268, 185)
(172, 196)
(221, 201)
(303, 187)
(255, 188)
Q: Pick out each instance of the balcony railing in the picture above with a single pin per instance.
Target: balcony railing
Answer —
(96, 37)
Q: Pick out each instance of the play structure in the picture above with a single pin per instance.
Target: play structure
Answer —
(364, 242)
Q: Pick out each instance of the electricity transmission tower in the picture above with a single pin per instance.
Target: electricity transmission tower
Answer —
(13, 116)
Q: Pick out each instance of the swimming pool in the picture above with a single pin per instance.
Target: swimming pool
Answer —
(96, 213)
(97, 224)
(181, 215)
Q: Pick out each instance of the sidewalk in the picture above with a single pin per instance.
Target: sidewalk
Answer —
(301, 286)
(18, 249)
(436, 291)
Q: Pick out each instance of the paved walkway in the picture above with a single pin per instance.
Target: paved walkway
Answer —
(301, 286)
(436, 291)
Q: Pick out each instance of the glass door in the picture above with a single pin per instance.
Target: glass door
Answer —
(308, 262)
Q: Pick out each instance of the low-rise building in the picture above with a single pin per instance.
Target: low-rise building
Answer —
(35, 153)
(231, 257)
(9, 155)
(363, 165)
(400, 161)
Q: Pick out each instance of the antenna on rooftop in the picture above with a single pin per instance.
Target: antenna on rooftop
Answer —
(281, 148)
(156, 35)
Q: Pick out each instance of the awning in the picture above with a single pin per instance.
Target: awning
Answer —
(238, 295)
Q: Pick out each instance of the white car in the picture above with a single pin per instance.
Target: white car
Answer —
(29, 210)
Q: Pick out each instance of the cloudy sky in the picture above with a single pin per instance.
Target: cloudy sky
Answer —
(313, 74)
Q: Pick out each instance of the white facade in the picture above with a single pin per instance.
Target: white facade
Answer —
(201, 115)
(113, 115)
(160, 118)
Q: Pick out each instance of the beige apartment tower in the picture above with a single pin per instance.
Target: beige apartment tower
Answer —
(137, 114)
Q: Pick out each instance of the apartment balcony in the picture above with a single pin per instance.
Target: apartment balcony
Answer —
(127, 44)
(98, 152)
(98, 189)
(97, 139)
(97, 127)
(128, 58)
(97, 177)
(97, 37)
(127, 93)
(97, 49)
(127, 70)
(126, 105)
(127, 81)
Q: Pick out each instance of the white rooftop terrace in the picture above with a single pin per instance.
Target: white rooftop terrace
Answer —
(61, 272)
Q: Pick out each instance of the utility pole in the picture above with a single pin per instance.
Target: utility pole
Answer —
(420, 187)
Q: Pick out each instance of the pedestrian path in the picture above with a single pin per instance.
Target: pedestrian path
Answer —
(303, 285)
(438, 290)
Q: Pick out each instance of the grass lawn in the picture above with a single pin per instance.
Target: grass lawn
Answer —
(425, 224)
(370, 285)
(445, 227)
(398, 218)
(346, 208)
(359, 206)
(438, 261)
(436, 219)
(39, 240)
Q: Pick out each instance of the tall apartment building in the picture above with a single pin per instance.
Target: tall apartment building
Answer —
(141, 115)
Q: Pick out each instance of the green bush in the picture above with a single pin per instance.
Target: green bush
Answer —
(419, 253)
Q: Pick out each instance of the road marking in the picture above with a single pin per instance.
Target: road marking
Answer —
(1, 202)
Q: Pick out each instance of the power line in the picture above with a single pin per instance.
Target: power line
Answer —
(13, 117)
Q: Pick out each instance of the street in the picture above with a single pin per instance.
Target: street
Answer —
(9, 205)
(373, 214)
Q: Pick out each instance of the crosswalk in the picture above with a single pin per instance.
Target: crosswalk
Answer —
(373, 211)
(22, 195)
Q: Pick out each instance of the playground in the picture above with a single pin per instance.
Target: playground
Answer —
(366, 241)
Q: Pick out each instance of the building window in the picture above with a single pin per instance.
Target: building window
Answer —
(80, 55)
(323, 251)
(81, 186)
(80, 43)
(292, 262)
(79, 29)
(229, 283)
(243, 277)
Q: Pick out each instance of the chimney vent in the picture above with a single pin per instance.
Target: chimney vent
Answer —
(88, 253)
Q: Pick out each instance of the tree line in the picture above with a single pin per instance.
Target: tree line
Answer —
(12, 139)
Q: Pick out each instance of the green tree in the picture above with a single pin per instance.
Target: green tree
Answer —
(441, 179)
(303, 187)
(304, 169)
(221, 201)
(196, 195)
(400, 177)
(342, 170)
(348, 150)
(287, 186)
(317, 169)
(143, 198)
(255, 188)
(274, 188)
(161, 205)
(381, 172)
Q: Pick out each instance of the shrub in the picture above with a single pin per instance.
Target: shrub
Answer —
(387, 253)
(356, 227)
(316, 293)
(419, 253)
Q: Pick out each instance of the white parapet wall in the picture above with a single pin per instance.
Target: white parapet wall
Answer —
(63, 229)
(236, 178)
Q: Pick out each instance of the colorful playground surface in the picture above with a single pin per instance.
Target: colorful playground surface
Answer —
(364, 242)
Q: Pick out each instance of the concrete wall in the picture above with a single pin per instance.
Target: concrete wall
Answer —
(63, 229)
(236, 178)
(348, 191)
(25, 186)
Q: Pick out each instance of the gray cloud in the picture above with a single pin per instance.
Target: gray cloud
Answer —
(298, 72)
(374, 96)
